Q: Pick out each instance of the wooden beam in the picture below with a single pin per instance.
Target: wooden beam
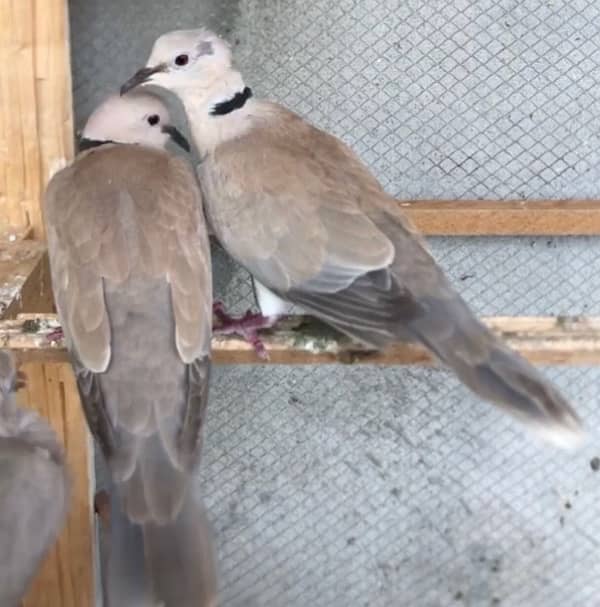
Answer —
(492, 217)
(301, 340)
(36, 125)
(504, 218)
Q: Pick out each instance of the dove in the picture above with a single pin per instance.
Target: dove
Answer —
(34, 489)
(131, 276)
(300, 211)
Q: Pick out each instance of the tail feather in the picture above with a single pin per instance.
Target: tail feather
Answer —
(125, 582)
(412, 298)
(494, 372)
(171, 565)
(180, 558)
(447, 326)
(443, 323)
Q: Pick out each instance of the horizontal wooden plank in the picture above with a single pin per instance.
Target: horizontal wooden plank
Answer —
(504, 217)
(484, 218)
(301, 340)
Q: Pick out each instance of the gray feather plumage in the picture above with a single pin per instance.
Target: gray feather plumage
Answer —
(310, 222)
(313, 225)
(131, 273)
(34, 490)
(140, 562)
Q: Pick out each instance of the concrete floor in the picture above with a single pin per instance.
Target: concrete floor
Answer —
(394, 487)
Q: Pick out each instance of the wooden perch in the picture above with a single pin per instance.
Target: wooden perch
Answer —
(504, 217)
(301, 340)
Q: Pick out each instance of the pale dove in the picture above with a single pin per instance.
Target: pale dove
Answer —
(314, 227)
(131, 275)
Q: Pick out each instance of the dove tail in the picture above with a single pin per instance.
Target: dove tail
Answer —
(448, 328)
(124, 579)
(180, 558)
(443, 323)
(172, 564)
(493, 371)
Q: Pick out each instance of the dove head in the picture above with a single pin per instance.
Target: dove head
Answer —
(136, 118)
(184, 59)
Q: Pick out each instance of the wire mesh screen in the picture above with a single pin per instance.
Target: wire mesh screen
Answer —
(338, 486)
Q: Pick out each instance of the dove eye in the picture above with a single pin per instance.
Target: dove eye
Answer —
(181, 60)
(154, 119)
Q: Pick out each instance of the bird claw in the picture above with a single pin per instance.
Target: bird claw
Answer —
(246, 326)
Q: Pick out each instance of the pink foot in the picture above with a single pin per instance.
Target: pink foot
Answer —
(246, 326)
(56, 335)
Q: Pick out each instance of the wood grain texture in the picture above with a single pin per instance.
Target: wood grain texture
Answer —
(53, 89)
(17, 109)
(36, 125)
(504, 217)
(301, 340)
(66, 578)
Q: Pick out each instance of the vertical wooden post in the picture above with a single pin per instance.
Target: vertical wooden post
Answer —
(36, 124)
(36, 139)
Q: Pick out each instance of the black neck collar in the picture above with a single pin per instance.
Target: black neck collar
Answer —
(235, 103)
(89, 144)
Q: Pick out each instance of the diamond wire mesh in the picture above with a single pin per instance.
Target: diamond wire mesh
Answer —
(382, 486)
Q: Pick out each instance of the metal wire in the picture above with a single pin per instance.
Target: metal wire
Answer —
(393, 486)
